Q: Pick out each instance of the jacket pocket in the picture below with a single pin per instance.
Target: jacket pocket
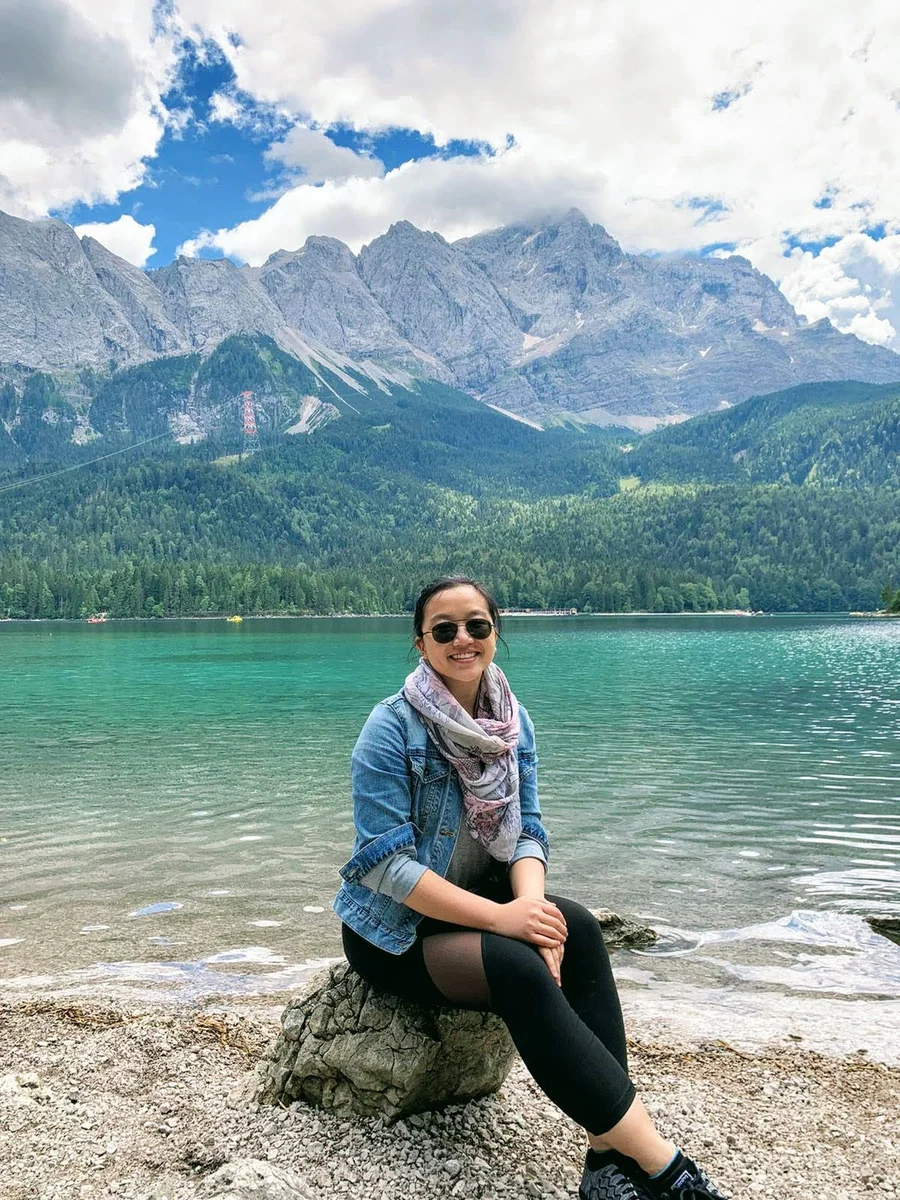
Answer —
(377, 850)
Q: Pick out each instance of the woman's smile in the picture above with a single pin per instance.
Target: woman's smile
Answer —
(459, 662)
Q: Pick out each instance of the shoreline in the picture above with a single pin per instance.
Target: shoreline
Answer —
(134, 1100)
(718, 612)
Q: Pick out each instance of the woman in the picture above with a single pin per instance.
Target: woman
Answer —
(443, 900)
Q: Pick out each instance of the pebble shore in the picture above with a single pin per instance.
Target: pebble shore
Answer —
(145, 1103)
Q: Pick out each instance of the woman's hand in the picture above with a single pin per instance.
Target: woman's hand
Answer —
(531, 920)
(552, 956)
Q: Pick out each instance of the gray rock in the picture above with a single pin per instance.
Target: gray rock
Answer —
(623, 932)
(138, 299)
(888, 927)
(440, 300)
(54, 312)
(347, 1048)
(210, 299)
(625, 338)
(253, 1179)
(318, 289)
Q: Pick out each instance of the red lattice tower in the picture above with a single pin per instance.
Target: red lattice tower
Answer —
(251, 433)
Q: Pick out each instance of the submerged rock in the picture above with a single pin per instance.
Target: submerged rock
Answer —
(888, 927)
(355, 1051)
(622, 932)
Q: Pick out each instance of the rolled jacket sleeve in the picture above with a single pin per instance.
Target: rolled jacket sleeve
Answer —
(385, 858)
(533, 840)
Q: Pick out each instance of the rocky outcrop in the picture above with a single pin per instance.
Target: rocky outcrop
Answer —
(439, 299)
(138, 298)
(210, 299)
(318, 289)
(626, 338)
(623, 933)
(888, 927)
(54, 311)
(345, 1047)
(253, 1179)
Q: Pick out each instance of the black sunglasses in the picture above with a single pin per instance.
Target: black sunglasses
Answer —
(478, 628)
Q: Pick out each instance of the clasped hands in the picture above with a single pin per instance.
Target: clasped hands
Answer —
(536, 920)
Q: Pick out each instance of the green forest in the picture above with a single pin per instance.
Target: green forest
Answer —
(783, 503)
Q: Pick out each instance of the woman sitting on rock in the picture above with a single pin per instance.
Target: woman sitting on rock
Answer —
(443, 900)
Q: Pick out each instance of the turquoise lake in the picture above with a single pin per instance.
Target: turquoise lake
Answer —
(174, 798)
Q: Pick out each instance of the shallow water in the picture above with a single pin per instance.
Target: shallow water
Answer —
(174, 802)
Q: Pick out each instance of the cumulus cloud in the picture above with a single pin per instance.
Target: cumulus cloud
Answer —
(80, 107)
(318, 158)
(59, 75)
(855, 283)
(126, 237)
(675, 125)
(225, 109)
(428, 193)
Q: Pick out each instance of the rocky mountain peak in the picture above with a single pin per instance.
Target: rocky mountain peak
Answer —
(210, 298)
(54, 311)
(540, 317)
(138, 298)
(318, 290)
(440, 300)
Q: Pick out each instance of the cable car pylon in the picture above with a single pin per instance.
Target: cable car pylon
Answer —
(250, 443)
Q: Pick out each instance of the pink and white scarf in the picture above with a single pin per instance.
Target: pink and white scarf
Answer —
(482, 749)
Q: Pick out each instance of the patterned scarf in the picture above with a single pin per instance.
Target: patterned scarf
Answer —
(482, 749)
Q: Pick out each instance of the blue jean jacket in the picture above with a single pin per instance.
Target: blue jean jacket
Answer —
(408, 811)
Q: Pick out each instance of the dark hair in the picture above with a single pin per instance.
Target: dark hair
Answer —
(442, 585)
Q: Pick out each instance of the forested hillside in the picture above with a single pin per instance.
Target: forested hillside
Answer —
(788, 502)
(844, 434)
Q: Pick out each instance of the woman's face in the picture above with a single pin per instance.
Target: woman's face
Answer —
(465, 658)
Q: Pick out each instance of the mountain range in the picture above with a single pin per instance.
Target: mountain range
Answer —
(551, 322)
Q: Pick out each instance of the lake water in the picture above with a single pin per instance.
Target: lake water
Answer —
(174, 798)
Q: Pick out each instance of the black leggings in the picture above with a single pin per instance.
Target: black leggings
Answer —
(571, 1038)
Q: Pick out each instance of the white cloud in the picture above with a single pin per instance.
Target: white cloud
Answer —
(426, 193)
(855, 283)
(631, 109)
(80, 106)
(225, 109)
(125, 237)
(318, 158)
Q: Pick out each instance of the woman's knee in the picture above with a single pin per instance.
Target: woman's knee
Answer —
(580, 921)
(512, 965)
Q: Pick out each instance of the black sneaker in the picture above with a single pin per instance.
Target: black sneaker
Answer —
(605, 1178)
(683, 1180)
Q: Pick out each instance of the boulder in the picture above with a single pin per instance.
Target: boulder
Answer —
(887, 926)
(358, 1052)
(622, 933)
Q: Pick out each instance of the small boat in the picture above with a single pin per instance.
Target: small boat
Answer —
(235, 620)
(98, 619)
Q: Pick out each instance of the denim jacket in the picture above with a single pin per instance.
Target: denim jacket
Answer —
(408, 812)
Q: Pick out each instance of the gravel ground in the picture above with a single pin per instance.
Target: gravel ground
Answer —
(100, 1100)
